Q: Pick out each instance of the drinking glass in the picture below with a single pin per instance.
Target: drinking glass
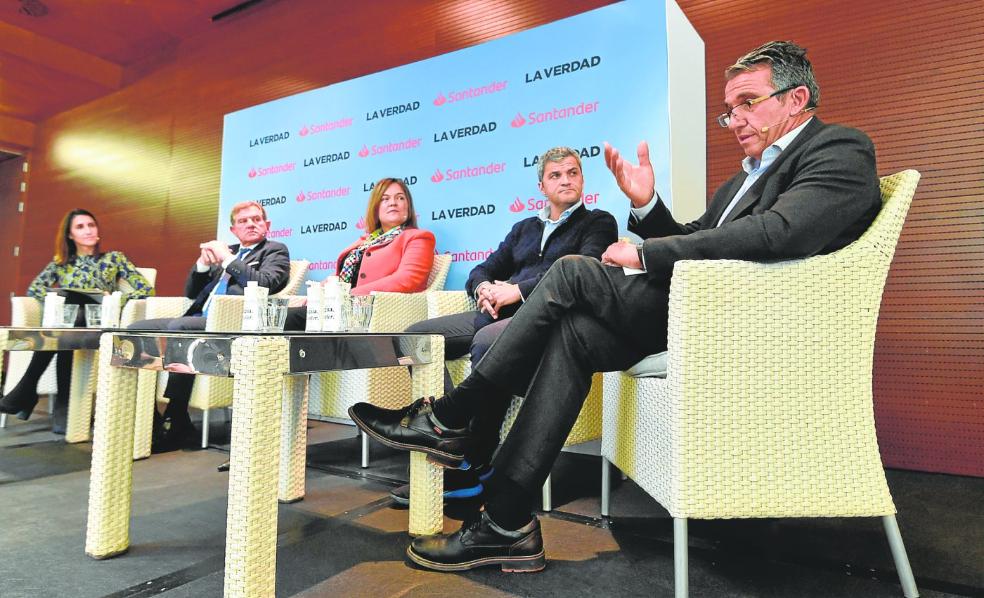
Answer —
(93, 315)
(275, 314)
(69, 313)
(360, 313)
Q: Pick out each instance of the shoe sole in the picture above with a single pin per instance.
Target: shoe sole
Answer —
(433, 455)
(517, 564)
(459, 494)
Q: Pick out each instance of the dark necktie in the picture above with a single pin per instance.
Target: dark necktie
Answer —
(223, 285)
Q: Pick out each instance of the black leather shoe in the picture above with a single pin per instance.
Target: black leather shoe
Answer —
(414, 428)
(223, 467)
(480, 543)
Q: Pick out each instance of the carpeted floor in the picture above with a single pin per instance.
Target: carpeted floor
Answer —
(347, 539)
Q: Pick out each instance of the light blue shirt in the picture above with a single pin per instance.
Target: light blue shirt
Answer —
(753, 167)
(756, 168)
(549, 226)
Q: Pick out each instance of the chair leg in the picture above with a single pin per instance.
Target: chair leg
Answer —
(365, 449)
(680, 577)
(606, 486)
(547, 496)
(901, 558)
(205, 428)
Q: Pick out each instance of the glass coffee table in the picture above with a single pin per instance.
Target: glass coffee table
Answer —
(269, 434)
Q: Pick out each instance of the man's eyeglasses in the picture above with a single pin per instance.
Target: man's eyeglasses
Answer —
(725, 119)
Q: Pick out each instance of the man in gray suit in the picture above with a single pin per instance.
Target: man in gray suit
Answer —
(805, 188)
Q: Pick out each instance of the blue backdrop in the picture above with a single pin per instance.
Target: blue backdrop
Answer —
(463, 129)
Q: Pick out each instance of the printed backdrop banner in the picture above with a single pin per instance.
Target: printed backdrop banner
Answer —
(464, 130)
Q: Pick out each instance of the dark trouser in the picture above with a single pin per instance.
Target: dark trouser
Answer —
(296, 318)
(460, 339)
(582, 318)
(178, 389)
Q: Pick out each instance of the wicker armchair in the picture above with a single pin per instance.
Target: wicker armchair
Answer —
(209, 392)
(588, 424)
(332, 393)
(766, 409)
(26, 311)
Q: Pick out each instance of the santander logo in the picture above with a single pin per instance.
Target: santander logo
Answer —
(440, 99)
(300, 197)
(437, 177)
(363, 152)
(361, 224)
(324, 127)
(534, 204)
(275, 169)
(574, 111)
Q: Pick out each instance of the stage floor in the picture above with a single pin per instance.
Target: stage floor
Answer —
(347, 539)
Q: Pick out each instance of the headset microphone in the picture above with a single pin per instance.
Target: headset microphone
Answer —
(766, 128)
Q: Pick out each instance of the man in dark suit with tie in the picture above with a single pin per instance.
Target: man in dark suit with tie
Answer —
(805, 188)
(220, 270)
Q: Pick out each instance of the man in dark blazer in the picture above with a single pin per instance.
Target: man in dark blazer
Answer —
(501, 283)
(220, 270)
(806, 188)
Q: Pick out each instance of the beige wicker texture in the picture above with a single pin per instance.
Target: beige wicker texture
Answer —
(80, 396)
(766, 409)
(427, 479)
(147, 380)
(259, 365)
(293, 439)
(111, 483)
(298, 272)
(333, 393)
(588, 424)
(26, 311)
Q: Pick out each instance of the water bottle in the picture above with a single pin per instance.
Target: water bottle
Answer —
(312, 322)
(332, 319)
(254, 303)
(52, 315)
(111, 306)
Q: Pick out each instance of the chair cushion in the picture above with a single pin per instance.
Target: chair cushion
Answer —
(653, 366)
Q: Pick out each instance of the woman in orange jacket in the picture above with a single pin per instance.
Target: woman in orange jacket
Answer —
(394, 255)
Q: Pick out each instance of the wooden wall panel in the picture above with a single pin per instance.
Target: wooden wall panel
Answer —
(146, 158)
(12, 176)
(911, 77)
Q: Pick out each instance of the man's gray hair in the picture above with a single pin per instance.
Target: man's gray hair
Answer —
(790, 67)
(556, 154)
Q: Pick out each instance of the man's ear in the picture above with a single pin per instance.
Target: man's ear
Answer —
(801, 98)
(540, 187)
